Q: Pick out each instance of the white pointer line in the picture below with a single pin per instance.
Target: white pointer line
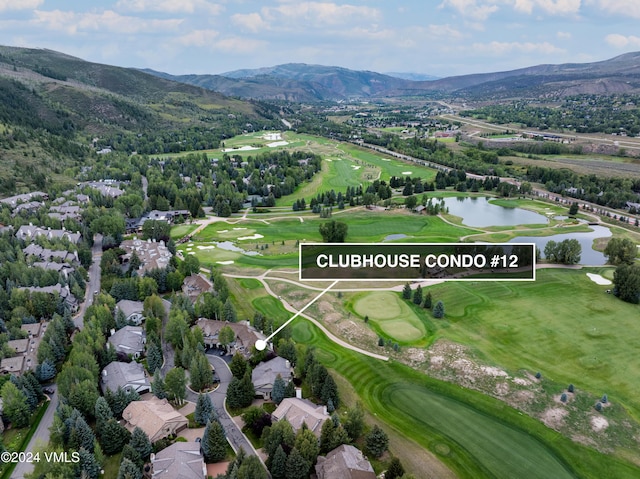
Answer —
(261, 344)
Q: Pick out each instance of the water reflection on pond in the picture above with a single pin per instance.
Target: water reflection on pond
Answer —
(479, 212)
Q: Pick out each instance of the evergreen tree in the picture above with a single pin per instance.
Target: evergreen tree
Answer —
(102, 413)
(290, 390)
(297, 466)
(417, 295)
(279, 464)
(376, 442)
(214, 442)
(395, 469)
(154, 356)
(428, 302)
(229, 312)
(204, 409)
(46, 371)
(406, 291)
(240, 392)
(306, 443)
(88, 465)
(113, 437)
(238, 365)
(141, 443)
(326, 436)
(158, 387)
(200, 372)
(354, 422)
(251, 468)
(438, 310)
(279, 434)
(129, 470)
(81, 435)
(329, 392)
(278, 391)
(130, 453)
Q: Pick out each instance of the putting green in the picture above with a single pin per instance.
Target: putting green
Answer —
(391, 314)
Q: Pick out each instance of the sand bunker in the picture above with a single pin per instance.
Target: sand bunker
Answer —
(225, 262)
(328, 159)
(356, 167)
(277, 143)
(239, 229)
(242, 148)
(596, 278)
(252, 237)
(406, 172)
(206, 247)
(272, 136)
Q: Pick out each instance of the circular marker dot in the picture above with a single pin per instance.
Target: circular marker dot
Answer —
(261, 345)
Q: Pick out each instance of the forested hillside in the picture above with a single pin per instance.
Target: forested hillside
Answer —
(57, 112)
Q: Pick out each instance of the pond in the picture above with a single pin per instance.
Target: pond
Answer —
(395, 236)
(589, 256)
(479, 212)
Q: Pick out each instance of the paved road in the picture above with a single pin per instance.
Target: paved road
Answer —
(41, 436)
(93, 284)
(218, 397)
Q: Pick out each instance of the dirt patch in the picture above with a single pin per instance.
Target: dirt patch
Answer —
(598, 423)
(554, 417)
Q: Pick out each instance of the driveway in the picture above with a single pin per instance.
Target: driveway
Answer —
(218, 397)
(41, 436)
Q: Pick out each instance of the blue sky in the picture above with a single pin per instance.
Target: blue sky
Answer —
(442, 37)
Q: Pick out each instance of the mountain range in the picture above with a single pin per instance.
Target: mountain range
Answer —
(303, 82)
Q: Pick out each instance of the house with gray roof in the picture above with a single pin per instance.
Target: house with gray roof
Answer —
(264, 375)
(132, 310)
(195, 285)
(301, 411)
(128, 340)
(12, 365)
(345, 462)
(19, 345)
(13, 201)
(29, 232)
(67, 296)
(128, 376)
(156, 417)
(181, 460)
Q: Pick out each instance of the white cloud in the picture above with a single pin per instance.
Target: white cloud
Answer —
(627, 8)
(169, 6)
(621, 41)
(320, 13)
(107, 21)
(198, 38)
(19, 4)
(444, 31)
(238, 45)
(252, 22)
(479, 11)
(551, 7)
(505, 48)
(564, 35)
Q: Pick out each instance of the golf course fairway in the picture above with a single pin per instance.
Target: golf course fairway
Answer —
(475, 435)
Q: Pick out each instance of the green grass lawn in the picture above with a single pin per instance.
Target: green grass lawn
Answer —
(475, 435)
(563, 325)
(391, 314)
